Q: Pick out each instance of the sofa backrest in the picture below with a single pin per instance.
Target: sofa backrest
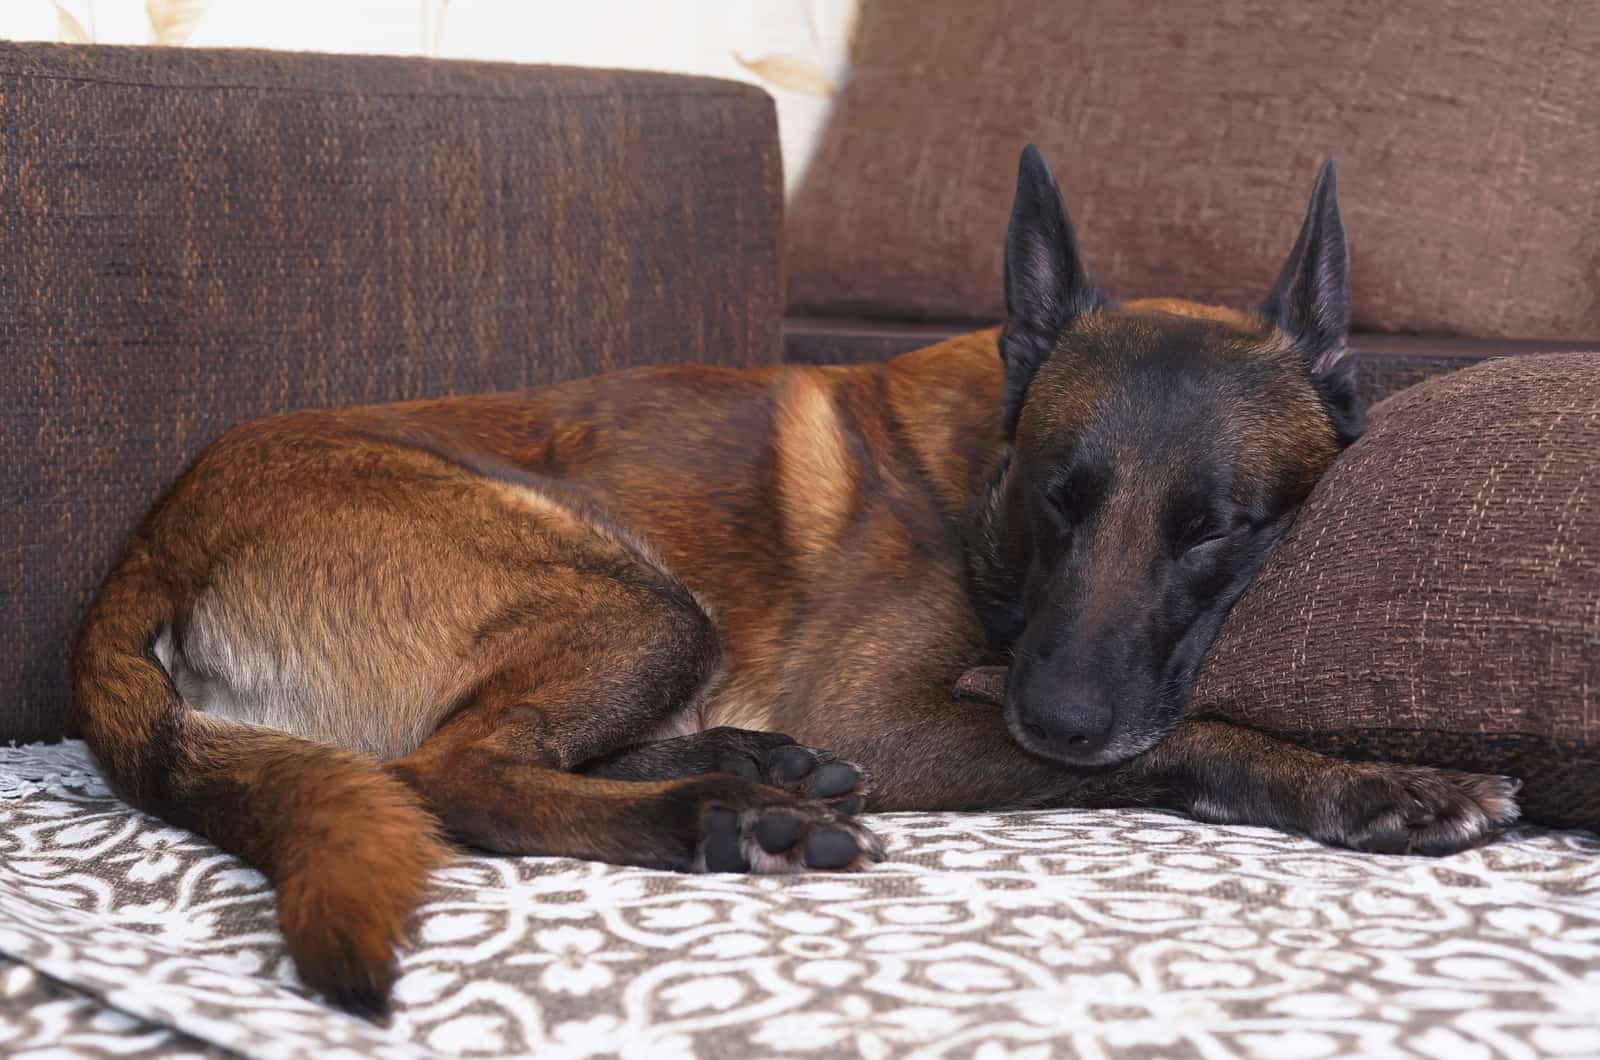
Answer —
(199, 238)
(1186, 137)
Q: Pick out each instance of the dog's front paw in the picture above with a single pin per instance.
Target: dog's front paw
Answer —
(1386, 809)
(813, 774)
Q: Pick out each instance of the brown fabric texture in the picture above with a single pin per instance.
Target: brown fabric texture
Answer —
(1385, 364)
(1185, 138)
(1438, 598)
(197, 238)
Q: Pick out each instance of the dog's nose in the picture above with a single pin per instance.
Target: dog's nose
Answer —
(1076, 729)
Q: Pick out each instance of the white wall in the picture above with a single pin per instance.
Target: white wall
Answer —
(796, 49)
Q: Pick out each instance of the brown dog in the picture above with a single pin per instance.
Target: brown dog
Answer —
(572, 621)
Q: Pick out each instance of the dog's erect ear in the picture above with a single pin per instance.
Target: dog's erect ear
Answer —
(1311, 304)
(1311, 300)
(1047, 283)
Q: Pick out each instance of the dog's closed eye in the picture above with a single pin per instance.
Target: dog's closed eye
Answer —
(1205, 546)
(1202, 536)
(1196, 530)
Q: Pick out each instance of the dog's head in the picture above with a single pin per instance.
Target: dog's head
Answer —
(1158, 451)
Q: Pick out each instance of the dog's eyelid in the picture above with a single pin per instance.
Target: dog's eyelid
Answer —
(1194, 529)
(1061, 502)
(1205, 546)
(1203, 531)
(1060, 495)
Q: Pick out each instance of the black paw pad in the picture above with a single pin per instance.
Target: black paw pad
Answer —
(835, 778)
(722, 843)
(740, 766)
(777, 832)
(830, 848)
(789, 764)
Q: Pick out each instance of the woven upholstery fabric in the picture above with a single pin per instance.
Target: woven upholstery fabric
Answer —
(1385, 364)
(198, 238)
(1438, 598)
(1185, 137)
(1106, 934)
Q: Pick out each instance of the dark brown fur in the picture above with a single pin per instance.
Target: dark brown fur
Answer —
(571, 621)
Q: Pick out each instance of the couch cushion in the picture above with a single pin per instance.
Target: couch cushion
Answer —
(1186, 136)
(1438, 598)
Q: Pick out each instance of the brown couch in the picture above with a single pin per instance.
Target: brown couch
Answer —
(197, 238)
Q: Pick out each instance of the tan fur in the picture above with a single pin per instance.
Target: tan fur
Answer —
(816, 476)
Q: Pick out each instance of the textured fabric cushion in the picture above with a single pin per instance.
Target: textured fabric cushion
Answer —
(1185, 137)
(199, 238)
(1438, 598)
(1025, 935)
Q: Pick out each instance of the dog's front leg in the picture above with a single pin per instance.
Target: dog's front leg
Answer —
(1222, 772)
(948, 753)
(957, 755)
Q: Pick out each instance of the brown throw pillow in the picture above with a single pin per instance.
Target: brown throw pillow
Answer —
(1438, 598)
(1185, 136)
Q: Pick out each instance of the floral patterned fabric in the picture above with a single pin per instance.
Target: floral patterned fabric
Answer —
(1092, 934)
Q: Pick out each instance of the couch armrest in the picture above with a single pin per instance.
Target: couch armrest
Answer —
(195, 238)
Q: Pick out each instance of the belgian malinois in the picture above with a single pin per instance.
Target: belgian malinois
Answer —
(575, 620)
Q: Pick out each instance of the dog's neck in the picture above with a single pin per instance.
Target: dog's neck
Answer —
(947, 402)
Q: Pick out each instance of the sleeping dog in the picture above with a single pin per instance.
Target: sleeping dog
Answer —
(611, 619)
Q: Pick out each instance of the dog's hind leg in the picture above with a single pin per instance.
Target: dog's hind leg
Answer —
(601, 671)
(482, 776)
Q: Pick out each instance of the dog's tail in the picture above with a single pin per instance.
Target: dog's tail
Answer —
(347, 845)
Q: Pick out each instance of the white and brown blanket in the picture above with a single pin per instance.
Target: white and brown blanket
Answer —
(1090, 934)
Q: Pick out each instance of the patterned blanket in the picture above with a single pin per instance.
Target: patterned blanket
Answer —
(1023, 935)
